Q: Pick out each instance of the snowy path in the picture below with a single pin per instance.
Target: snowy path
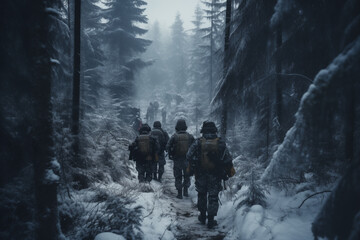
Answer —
(166, 217)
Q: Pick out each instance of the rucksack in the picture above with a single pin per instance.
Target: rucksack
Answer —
(209, 153)
(144, 147)
(159, 135)
(182, 141)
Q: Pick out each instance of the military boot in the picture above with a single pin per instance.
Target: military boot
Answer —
(202, 217)
(160, 176)
(179, 196)
(154, 176)
(211, 222)
(186, 194)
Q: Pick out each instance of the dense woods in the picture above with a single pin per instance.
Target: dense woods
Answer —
(279, 78)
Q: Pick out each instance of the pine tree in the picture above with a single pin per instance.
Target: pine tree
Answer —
(121, 31)
(224, 110)
(178, 56)
(123, 38)
(255, 195)
(76, 84)
(156, 74)
(92, 55)
(33, 89)
(214, 13)
(198, 70)
(46, 180)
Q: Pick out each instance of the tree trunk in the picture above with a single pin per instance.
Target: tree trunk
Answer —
(278, 87)
(76, 83)
(267, 128)
(211, 51)
(350, 123)
(224, 111)
(45, 179)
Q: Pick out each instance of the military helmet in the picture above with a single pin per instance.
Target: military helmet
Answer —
(157, 124)
(145, 128)
(181, 125)
(208, 127)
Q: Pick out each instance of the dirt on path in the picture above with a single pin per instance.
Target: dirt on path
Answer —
(185, 224)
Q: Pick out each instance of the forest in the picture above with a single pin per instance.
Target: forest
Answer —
(279, 78)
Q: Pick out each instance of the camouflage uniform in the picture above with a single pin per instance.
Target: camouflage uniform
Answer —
(162, 137)
(182, 178)
(208, 181)
(143, 166)
(145, 170)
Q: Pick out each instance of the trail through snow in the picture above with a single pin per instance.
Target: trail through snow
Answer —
(167, 217)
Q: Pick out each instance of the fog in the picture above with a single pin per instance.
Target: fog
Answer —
(164, 11)
(170, 78)
(278, 79)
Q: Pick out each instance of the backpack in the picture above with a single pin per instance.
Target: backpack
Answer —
(182, 141)
(209, 153)
(144, 147)
(159, 135)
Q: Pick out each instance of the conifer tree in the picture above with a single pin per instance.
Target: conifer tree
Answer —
(214, 13)
(122, 34)
(178, 53)
(198, 69)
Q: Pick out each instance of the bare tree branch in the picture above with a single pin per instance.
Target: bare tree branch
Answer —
(326, 191)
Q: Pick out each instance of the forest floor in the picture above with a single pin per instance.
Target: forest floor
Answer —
(167, 217)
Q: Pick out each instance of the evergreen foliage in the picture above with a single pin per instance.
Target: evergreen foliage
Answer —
(104, 211)
(288, 86)
(267, 77)
(213, 35)
(255, 195)
(198, 71)
(178, 56)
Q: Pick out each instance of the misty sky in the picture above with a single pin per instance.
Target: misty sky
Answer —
(165, 11)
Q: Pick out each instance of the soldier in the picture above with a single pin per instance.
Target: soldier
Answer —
(137, 123)
(155, 109)
(163, 116)
(162, 137)
(177, 148)
(144, 150)
(150, 113)
(210, 161)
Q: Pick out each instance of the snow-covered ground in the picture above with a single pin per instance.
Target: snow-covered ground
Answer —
(166, 217)
(281, 220)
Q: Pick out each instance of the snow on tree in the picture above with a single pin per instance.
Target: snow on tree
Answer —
(122, 35)
(198, 72)
(213, 33)
(302, 150)
(339, 217)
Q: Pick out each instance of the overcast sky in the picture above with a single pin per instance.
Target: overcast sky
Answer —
(165, 11)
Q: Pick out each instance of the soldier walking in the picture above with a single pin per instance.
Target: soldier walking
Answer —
(177, 148)
(144, 150)
(150, 113)
(162, 138)
(210, 161)
(163, 116)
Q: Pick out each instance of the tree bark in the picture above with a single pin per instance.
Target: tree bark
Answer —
(211, 51)
(267, 127)
(224, 112)
(76, 82)
(350, 123)
(278, 85)
(45, 180)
